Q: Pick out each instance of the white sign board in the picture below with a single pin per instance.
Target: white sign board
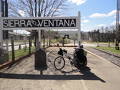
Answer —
(39, 23)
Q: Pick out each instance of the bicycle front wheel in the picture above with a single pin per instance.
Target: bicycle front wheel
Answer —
(59, 63)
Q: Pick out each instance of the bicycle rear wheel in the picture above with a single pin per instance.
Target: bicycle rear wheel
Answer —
(59, 63)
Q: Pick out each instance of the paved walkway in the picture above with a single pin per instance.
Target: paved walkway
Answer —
(109, 57)
(101, 75)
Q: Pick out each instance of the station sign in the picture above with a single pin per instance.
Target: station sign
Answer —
(39, 23)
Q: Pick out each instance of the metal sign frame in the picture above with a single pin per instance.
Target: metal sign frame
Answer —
(77, 18)
(2, 21)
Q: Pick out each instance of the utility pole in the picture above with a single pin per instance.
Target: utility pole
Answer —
(117, 26)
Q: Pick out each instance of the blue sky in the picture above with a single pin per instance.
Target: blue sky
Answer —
(94, 13)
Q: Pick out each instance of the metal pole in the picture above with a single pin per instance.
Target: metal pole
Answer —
(1, 38)
(13, 51)
(39, 38)
(79, 29)
(48, 37)
(118, 7)
(0, 8)
(29, 45)
(39, 31)
(117, 27)
(35, 8)
(39, 14)
(6, 32)
(36, 36)
(43, 39)
(1, 33)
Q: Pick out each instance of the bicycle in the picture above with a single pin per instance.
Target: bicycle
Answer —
(59, 62)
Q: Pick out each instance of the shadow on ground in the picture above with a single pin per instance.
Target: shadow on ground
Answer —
(87, 75)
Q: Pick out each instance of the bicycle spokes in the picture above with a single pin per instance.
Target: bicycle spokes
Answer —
(59, 63)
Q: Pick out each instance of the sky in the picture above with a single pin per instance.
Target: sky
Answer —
(94, 13)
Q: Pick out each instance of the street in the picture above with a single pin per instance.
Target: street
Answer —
(100, 74)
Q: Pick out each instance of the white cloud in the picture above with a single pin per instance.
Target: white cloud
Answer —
(77, 2)
(85, 21)
(96, 15)
(100, 15)
(112, 13)
(21, 12)
(113, 23)
(101, 25)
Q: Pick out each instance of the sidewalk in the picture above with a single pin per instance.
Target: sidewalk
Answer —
(23, 76)
(106, 55)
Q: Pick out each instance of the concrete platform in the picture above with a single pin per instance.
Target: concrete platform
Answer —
(100, 75)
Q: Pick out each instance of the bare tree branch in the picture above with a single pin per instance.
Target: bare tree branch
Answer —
(44, 7)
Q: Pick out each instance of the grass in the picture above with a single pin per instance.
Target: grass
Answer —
(110, 49)
(18, 54)
(21, 53)
(54, 41)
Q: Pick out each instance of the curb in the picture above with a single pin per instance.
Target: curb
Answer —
(10, 63)
(108, 53)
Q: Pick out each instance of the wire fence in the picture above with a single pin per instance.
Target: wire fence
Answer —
(15, 49)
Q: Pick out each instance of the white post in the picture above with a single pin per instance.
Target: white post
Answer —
(39, 38)
(79, 28)
(1, 33)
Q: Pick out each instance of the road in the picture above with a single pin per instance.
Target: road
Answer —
(101, 74)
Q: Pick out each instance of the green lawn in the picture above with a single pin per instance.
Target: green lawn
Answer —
(20, 53)
(110, 49)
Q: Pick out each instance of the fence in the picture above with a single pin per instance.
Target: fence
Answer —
(15, 49)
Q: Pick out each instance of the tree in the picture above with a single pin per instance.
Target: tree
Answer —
(35, 8)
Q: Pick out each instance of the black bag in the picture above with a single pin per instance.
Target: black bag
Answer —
(60, 52)
(80, 58)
